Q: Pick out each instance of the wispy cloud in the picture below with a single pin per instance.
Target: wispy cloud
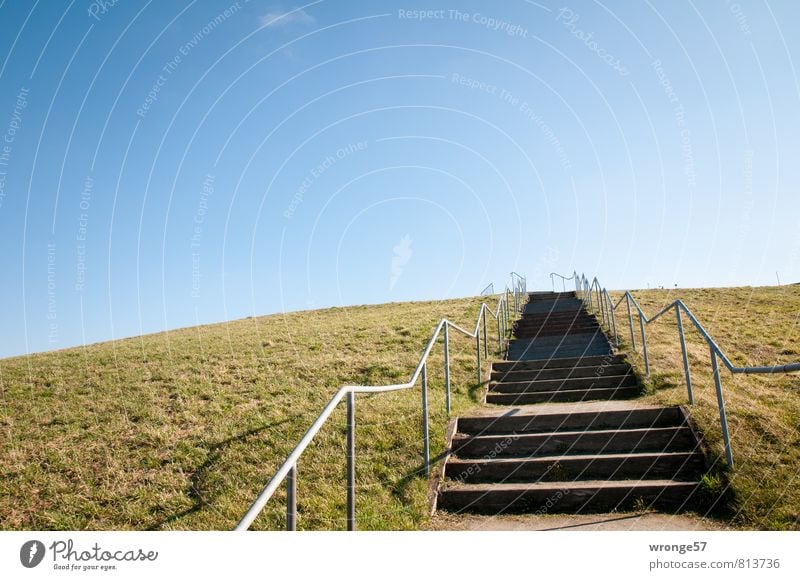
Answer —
(402, 254)
(278, 18)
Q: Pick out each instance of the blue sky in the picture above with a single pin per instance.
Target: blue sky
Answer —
(166, 164)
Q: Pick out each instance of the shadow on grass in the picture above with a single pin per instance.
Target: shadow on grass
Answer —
(196, 480)
(475, 391)
(399, 489)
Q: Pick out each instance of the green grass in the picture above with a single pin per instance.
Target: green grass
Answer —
(753, 326)
(181, 430)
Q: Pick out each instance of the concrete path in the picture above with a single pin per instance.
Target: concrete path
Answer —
(559, 522)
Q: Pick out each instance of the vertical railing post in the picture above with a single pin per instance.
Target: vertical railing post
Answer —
(723, 418)
(426, 450)
(503, 322)
(478, 353)
(447, 366)
(684, 353)
(485, 342)
(351, 461)
(613, 319)
(499, 320)
(644, 343)
(630, 321)
(291, 499)
(601, 304)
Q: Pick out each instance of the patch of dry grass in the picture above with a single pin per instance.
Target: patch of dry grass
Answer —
(181, 430)
(752, 326)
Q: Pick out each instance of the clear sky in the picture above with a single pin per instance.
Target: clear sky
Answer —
(164, 164)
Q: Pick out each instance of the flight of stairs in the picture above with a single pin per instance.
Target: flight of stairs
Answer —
(563, 379)
(560, 432)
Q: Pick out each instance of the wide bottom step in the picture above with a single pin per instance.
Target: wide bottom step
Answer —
(683, 465)
(571, 497)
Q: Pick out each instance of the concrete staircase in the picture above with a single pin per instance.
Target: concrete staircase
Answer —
(560, 431)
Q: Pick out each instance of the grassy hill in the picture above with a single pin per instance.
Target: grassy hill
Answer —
(753, 326)
(180, 430)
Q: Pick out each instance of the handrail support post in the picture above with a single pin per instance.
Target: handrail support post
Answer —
(644, 344)
(686, 370)
(426, 451)
(478, 353)
(630, 321)
(447, 366)
(485, 342)
(291, 499)
(723, 418)
(351, 461)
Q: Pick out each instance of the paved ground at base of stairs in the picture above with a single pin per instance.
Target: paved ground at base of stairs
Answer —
(618, 522)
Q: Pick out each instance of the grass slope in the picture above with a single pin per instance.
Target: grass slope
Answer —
(753, 326)
(181, 430)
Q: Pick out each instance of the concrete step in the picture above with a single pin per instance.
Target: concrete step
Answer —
(559, 305)
(570, 497)
(557, 363)
(562, 396)
(555, 320)
(528, 352)
(576, 384)
(560, 323)
(551, 295)
(556, 316)
(681, 465)
(658, 439)
(573, 372)
(555, 331)
(571, 339)
(514, 421)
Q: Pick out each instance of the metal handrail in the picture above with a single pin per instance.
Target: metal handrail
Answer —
(488, 290)
(563, 281)
(288, 469)
(592, 292)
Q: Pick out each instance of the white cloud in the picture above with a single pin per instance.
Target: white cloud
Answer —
(278, 17)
